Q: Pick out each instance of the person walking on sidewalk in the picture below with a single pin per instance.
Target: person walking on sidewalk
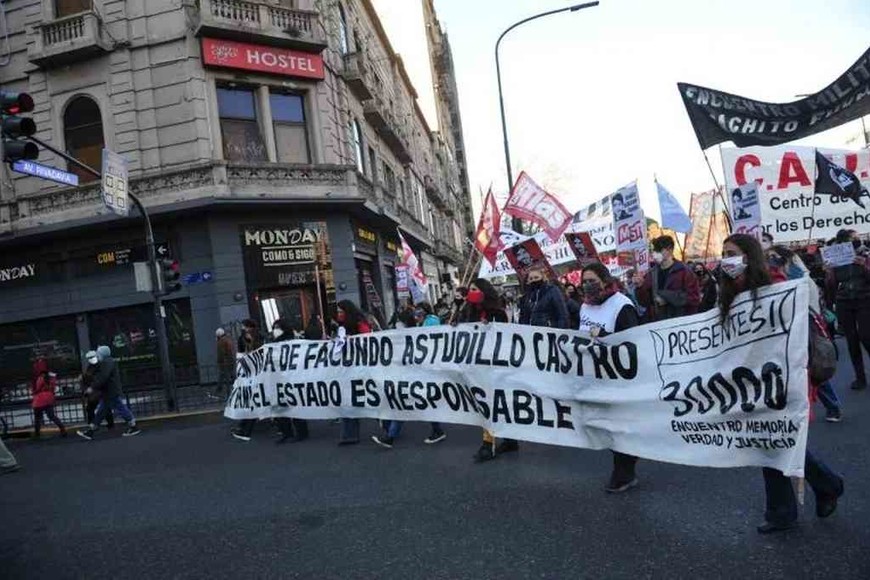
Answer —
(107, 381)
(92, 397)
(423, 316)
(226, 360)
(44, 385)
(8, 464)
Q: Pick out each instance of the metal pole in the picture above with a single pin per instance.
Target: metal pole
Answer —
(516, 223)
(159, 312)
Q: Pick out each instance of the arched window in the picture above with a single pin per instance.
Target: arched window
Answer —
(83, 135)
(344, 44)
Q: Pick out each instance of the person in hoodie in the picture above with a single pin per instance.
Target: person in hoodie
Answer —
(542, 303)
(669, 289)
(107, 382)
(43, 387)
(423, 316)
(92, 397)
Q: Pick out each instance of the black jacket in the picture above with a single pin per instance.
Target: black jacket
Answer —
(107, 379)
(544, 306)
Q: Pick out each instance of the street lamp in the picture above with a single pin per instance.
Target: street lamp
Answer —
(517, 225)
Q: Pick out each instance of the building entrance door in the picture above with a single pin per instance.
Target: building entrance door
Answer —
(296, 306)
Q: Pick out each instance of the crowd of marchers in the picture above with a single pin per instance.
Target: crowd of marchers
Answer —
(602, 304)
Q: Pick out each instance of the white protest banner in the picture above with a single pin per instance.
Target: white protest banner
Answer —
(838, 254)
(746, 210)
(689, 390)
(785, 176)
(558, 252)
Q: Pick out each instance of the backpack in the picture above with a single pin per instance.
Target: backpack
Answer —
(822, 362)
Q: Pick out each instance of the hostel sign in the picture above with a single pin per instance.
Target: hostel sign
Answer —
(259, 58)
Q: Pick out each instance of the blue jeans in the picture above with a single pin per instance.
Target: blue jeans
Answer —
(781, 504)
(116, 404)
(395, 427)
(828, 397)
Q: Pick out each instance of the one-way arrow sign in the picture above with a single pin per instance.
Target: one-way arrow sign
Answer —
(162, 250)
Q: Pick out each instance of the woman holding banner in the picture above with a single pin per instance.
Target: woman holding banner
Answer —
(606, 310)
(483, 305)
(745, 269)
(351, 320)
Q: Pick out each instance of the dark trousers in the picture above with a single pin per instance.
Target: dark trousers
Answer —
(623, 466)
(49, 411)
(246, 426)
(288, 427)
(91, 411)
(781, 503)
(349, 430)
(854, 321)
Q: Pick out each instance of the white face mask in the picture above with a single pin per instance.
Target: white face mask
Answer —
(93, 360)
(765, 245)
(733, 266)
(277, 332)
(658, 257)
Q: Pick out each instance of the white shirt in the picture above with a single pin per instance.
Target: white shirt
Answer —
(603, 316)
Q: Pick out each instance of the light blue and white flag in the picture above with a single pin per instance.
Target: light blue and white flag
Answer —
(673, 215)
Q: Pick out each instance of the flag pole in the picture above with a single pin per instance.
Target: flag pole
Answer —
(718, 188)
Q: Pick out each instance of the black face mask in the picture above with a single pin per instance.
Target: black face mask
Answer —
(536, 284)
(856, 244)
(458, 301)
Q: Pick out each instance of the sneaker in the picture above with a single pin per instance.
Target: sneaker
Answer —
(131, 431)
(507, 446)
(834, 416)
(858, 385)
(383, 441)
(485, 453)
(238, 434)
(435, 437)
(86, 434)
(10, 469)
(620, 485)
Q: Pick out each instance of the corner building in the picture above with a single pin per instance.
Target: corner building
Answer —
(278, 146)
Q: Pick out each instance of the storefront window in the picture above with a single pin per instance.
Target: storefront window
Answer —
(291, 137)
(239, 127)
(131, 334)
(22, 343)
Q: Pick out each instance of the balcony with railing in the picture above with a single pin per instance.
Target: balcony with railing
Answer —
(435, 192)
(261, 23)
(68, 39)
(388, 126)
(358, 75)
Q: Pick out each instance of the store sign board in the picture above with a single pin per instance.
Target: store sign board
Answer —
(285, 254)
(259, 58)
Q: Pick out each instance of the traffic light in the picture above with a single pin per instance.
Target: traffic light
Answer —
(170, 271)
(15, 129)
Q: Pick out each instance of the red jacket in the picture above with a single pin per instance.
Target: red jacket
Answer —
(680, 293)
(44, 384)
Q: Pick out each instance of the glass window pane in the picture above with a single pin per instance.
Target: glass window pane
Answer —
(242, 141)
(83, 136)
(236, 103)
(287, 108)
(67, 7)
(292, 143)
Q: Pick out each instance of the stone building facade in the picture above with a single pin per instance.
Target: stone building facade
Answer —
(277, 145)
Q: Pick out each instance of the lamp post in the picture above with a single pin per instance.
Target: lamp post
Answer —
(516, 223)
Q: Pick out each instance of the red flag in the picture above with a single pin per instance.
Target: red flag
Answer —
(530, 202)
(487, 240)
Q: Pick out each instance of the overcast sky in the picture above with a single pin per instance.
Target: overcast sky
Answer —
(591, 96)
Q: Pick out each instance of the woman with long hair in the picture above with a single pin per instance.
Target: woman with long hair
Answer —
(351, 320)
(606, 310)
(745, 269)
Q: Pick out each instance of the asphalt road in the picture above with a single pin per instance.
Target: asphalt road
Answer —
(185, 500)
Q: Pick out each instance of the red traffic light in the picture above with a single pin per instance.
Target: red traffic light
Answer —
(15, 103)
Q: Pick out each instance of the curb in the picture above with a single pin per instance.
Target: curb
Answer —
(166, 417)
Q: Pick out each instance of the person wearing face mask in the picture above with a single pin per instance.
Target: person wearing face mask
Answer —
(351, 321)
(542, 303)
(249, 340)
(669, 289)
(766, 241)
(850, 288)
(745, 269)
(572, 303)
(92, 397)
(606, 310)
(458, 304)
(484, 305)
(709, 288)
(107, 382)
(292, 430)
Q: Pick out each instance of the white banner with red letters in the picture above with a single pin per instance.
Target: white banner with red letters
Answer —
(691, 390)
(785, 176)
